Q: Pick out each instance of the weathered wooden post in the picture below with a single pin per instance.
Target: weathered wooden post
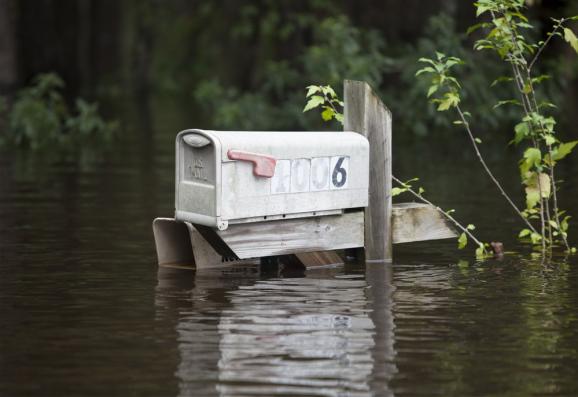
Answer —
(367, 115)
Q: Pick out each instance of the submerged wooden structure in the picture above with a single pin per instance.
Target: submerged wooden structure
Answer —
(313, 238)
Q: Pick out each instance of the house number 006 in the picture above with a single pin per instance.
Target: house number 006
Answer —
(310, 175)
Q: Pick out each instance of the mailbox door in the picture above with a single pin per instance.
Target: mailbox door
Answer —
(198, 178)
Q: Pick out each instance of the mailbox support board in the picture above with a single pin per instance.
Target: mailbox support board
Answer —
(312, 240)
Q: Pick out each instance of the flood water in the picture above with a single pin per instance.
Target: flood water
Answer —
(84, 311)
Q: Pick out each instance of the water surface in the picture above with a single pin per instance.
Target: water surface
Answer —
(84, 312)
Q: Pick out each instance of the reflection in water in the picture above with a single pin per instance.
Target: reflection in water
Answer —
(77, 277)
(329, 335)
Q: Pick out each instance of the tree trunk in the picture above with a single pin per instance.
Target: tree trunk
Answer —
(8, 46)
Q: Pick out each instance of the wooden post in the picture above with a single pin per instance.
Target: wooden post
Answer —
(367, 115)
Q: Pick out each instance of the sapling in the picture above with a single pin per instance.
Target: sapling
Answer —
(504, 35)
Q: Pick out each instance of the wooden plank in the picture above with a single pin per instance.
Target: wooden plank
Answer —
(366, 114)
(283, 237)
(419, 222)
(312, 260)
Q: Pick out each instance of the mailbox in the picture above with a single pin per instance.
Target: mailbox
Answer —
(230, 177)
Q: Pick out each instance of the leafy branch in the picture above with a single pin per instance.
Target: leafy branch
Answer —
(504, 36)
(449, 87)
(324, 97)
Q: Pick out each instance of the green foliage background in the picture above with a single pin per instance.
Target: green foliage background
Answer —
(249, 70)
(244, 64)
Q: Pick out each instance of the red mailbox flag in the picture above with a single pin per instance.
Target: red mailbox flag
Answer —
(263, 165)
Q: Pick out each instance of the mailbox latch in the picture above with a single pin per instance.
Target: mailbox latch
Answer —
(263, 165)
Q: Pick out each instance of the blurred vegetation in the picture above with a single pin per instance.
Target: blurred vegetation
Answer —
(245, 64)
(40, 119)
(255, 77)
(339, 50)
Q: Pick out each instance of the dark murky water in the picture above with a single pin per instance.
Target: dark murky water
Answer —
(83, 311)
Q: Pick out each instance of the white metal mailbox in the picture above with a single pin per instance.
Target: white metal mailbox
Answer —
(228, 177)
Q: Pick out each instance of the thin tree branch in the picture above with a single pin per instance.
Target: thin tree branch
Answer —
(545, 44)
(445, 214)
(489, 172)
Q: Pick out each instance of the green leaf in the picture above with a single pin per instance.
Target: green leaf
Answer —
(519, 15)
(462, 241)
(481, 9)
(451, 62)
(339, 117)
(522, 131)
(396, 191)
(571, 38)
(443, 106)
(524, 233)
(426, 60)
(549, 139)
(508, 102)
(314, 102)
(539, 79)
(421, 191)
(432, 90)
(534, 186)
(564, 224)
(563, 150)
(478, 140)
(477, 26)
(536, 238)
(327, 114)
(450, 99)
(327, 90)
(481, 252)
(532, 158)
(545, 104)
(428, 69)
(533, 155)
(532, 198)
(545, 184)
(312, 89)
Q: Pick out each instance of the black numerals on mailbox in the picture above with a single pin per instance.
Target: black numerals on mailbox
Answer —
(310, 175)
(339, 175)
